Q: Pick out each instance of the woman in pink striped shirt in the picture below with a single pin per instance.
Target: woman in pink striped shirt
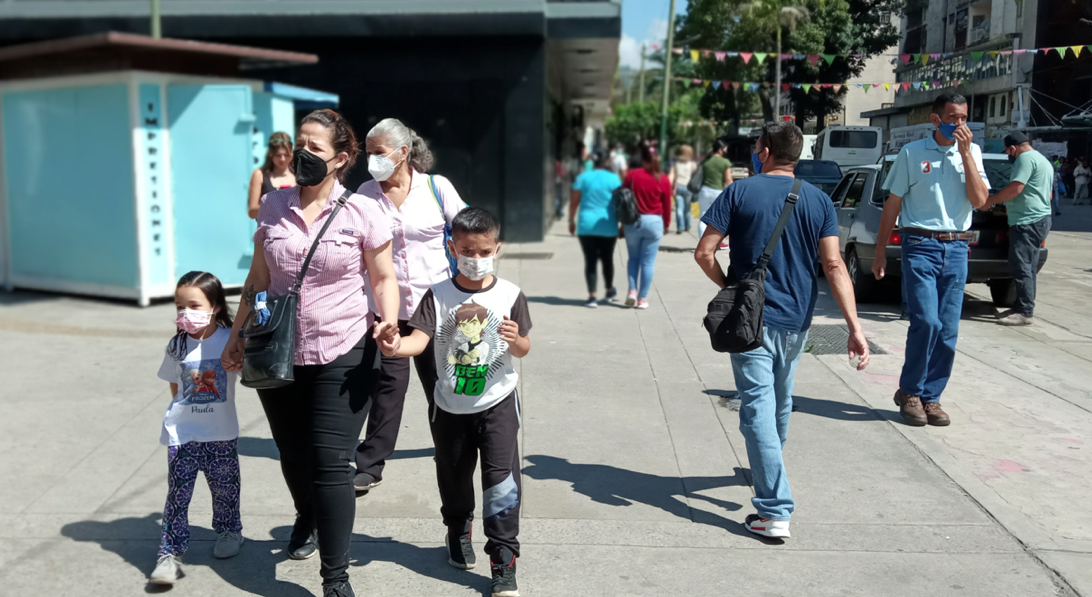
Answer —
(317, 419)
(418, 206)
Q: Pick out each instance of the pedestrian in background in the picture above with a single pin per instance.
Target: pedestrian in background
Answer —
(619, 163)
(935, 183)
(1081, 177)
(747, 214)
(275, 173)
(593, 220)
(200, 428)
(1059, 187)
(653, 192)
(716, 175)
(681, 170)
(1028, 210)
(316, 420)
(419, 206)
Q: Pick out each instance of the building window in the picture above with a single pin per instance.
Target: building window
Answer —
(885, 18)
(1019, 8)
(993, 106)
(1004, 105)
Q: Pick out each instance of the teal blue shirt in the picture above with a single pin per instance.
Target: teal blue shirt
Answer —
(596, 216)
(1033, 203)
(932, 182)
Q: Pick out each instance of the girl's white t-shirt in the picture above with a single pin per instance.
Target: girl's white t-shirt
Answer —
(683, 172)
(204, 408)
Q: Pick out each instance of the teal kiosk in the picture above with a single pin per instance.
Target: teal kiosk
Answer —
(114, 183)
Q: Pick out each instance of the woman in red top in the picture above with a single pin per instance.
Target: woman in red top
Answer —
(653, 192)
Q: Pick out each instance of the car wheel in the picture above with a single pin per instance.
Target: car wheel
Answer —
(1003, 292)
(864, 283)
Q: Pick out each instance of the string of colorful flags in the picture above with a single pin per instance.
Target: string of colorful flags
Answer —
(835, 87)
(924, 59)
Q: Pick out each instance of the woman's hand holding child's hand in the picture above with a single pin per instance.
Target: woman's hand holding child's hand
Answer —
(386, 334)
(232, 358)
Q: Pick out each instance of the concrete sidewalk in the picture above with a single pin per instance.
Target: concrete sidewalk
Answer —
(635, 474)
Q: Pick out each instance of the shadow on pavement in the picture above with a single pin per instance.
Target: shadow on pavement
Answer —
(264, 447)
(136, 540)
(832, 409)
(425, 561)
(620, 487)
(556, 301)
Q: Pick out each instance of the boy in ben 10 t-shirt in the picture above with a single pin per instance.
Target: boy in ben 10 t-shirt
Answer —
(477, 323)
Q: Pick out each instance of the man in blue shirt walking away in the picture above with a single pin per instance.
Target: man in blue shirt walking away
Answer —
(747, 213)
(936, 183)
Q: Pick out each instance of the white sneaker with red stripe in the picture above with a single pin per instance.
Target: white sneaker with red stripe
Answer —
(766, 527)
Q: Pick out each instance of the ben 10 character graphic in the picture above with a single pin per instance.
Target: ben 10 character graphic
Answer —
(470, 358)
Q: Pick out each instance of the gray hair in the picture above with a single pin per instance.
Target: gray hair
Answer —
(397, 134)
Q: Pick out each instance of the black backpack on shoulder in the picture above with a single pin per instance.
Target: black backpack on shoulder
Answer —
(625, 206)
(734, 318)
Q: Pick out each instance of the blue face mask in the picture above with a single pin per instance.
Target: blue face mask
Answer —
(948, 130)
(756, 163)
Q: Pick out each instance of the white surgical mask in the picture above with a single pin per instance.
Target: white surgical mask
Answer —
(475, 269)
(381, 167)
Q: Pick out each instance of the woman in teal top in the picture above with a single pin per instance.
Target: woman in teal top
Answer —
(592, 218)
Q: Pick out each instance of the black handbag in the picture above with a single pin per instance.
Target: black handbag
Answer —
(269, 351)
(734, 318)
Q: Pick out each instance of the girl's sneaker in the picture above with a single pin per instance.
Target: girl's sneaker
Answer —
(631, 298)
(591, 303)
(766, 527)
(227, 545)
(642, 304)
(167, 570)
(611, 296)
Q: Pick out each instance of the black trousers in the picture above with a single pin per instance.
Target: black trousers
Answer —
(316, 422)
(1024, 243)
(459, 439)
(598, 249)
(385, 418)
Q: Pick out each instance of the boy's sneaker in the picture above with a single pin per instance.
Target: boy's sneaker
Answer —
(766, 527)
(364, 482)
(167, 570)
(503, 565)
(460, 551)
(631, 298)
(611, 296)
(341, 589)
(591, 303)
(642, 304)
(227, 545)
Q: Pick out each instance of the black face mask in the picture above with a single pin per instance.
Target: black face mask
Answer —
(1012, 158)
(310, 169)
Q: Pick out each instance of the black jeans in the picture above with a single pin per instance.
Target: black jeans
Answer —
(1024, 243)
(459, 439)
(385, 418)
(316, 422)
(598, 249)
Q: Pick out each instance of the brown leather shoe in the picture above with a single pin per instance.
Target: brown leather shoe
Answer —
(936, 415)
(910, 408)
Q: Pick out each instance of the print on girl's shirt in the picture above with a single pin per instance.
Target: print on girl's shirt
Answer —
(475, 349)
(203, 382)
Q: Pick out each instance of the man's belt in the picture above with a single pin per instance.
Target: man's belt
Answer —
(945, 236)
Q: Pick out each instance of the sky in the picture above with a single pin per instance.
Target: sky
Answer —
(644, 21)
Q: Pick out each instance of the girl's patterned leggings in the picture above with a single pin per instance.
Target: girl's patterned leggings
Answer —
(220, 463)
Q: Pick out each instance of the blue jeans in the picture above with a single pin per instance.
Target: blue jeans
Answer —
(643, 242)
(764, 379)
(682, 207)
(934, 274)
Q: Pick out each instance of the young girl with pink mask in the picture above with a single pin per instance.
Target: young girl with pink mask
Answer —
(200, 428)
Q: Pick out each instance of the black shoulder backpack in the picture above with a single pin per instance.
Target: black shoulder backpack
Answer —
(625, 205)
(734, 318)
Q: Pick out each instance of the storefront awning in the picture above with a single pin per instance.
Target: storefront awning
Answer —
(305, 99)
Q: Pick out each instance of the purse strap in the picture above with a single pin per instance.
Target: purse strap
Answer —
(790, 203)
(344, 198)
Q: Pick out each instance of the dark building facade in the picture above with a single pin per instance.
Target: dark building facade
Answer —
(496, 88)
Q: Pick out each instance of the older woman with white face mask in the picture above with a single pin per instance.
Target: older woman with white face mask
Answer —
(419, 207)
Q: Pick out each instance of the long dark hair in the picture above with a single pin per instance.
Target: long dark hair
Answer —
(276, 142)
(214, 292)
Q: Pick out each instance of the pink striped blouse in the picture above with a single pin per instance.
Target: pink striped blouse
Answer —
(333, 313)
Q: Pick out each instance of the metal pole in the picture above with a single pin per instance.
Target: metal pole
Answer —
(641, 77)
(157, 31)
(777, 75)
(668, 52)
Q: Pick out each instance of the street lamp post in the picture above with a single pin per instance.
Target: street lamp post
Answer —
(668, 51)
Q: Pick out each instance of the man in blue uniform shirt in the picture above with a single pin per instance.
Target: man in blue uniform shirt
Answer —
(936, 183)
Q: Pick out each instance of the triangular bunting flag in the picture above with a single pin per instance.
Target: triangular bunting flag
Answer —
(754, 86)
(761, 56)
(936, 84)
(934, 57)
(976, 56)
(813, 59)
(917, 85)
(799, 56)
(1076, 50)
(837, 87)
(785, 87)
(906, 87)
(887, 86)
(796, 85)
(1018, 52)
(1061, 51)
(716, 84)
(705, 53)
(829, 58)
(925, 59)
(677, 51)
(905, 58)
(1005, 52)
(825, 85)
(866, 87)
(994, 53)
(695, 82)
(694, 55)
(786, 56)
(706, 83)
(946, 55)
(746, 56)
(1089, 47)
(733, 54)
(720, 56)
(807, 88)
(735, 85)
(655, 48)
